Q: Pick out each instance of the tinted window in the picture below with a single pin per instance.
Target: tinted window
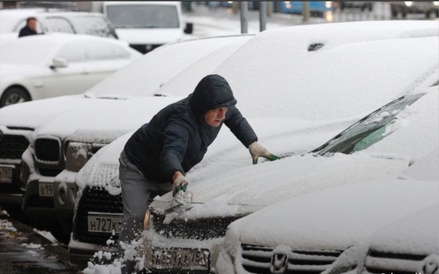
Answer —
(143, 16)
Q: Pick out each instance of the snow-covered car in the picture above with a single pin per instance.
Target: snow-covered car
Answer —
(91, 23)
(62, 145)
(313, 110)
(307, 233)
(58, 64)
(380, 144)
(410, 245)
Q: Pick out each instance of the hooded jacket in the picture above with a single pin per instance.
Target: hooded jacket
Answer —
(177, 137)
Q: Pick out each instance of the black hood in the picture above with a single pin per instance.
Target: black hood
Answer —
(213, 91)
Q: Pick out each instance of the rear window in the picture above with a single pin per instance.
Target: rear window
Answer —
(143, 16)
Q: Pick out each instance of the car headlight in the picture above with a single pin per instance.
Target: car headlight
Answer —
(77, 154)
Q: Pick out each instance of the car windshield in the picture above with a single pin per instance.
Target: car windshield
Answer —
(143, 16)
(368, 130)
(23, 51)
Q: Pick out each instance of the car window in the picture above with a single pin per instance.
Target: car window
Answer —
(22, 23)
(58, 24)
(143, 16)
(73, 52)
(92, 25)
(368, 130)
(100, 50)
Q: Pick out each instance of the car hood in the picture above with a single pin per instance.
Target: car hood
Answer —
(414, 234)
(105, 121)
(149, 36)
(335, 218)
(247, 189)
(42, 110)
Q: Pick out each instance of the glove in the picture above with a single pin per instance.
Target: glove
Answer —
(257, 150)
(179, 190)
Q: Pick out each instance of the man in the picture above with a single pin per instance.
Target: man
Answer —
(30, 28)
(158, 155)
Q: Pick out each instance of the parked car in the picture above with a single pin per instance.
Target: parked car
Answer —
(58, 64)
(250, 81)
(146, 25)
(311, 231)
(409, 245)
(91, 23)
(56, 152)
(363, 5)
(405, 7)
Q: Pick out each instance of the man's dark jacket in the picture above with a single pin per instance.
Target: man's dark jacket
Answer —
(177, 137)
(26, 31)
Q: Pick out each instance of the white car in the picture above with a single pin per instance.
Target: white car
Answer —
(309, 232)
(410, 244)
(292, 106)
(44, 66)
(91, 23)
(146, 25)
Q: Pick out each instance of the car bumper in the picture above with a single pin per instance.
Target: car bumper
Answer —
(154, 245)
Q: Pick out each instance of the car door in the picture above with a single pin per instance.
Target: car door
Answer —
(72, 79)
(104, 59)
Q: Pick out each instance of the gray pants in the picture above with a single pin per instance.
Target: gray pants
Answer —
(136, 193)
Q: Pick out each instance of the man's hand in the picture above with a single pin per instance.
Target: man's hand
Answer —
(179, 188)
(257, 150)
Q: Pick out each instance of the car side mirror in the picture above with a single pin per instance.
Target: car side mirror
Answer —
(189, 28)
(58, 63)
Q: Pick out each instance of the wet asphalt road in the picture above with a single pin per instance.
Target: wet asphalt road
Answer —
(23, 250)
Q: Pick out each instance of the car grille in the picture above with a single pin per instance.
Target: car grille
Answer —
(48, 150)
(198, 229)
(94, 199)
(257, 259)
(386, 263)
(13, 146)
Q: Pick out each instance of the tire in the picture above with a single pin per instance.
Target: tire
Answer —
(58, 231)
(14, 95)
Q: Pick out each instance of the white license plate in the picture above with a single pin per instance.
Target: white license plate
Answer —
(5, 174)
(180, 259)
(45, 189)
(104, 223)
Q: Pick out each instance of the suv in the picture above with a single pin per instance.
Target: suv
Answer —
(147, 25)
(91, 23)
